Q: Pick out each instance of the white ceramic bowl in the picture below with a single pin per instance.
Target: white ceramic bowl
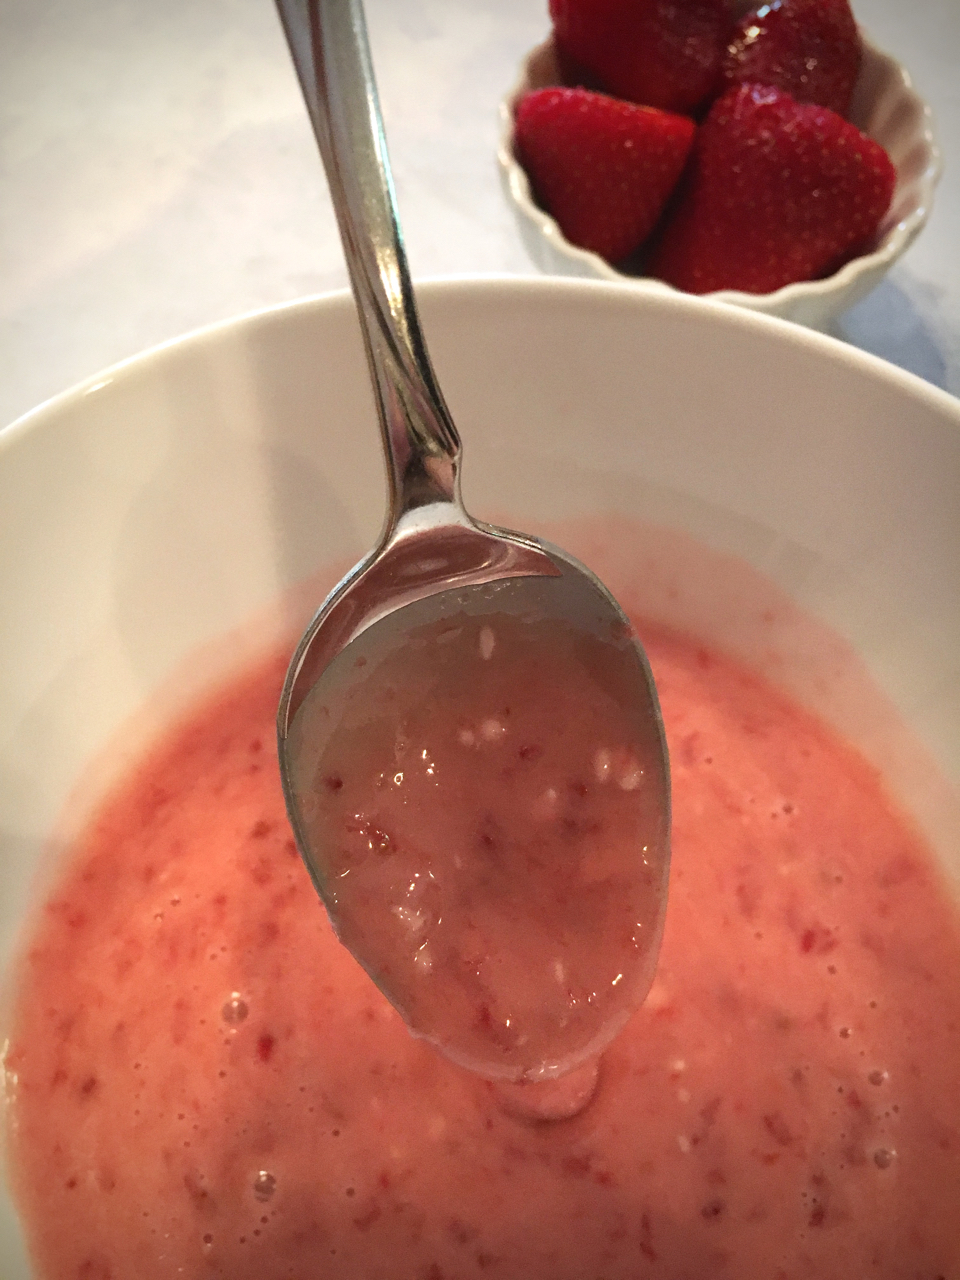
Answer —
(684, 449)
(885, 106)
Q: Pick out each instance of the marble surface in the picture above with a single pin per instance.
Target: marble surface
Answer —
(157, 172)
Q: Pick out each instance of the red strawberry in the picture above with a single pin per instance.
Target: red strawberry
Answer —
(775, 192)
(603, 168)
(664, 53)
(810, 48)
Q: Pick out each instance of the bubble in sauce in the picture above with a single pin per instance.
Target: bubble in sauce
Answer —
(234, 1010)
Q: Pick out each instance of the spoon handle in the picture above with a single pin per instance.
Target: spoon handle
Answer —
(328, 43)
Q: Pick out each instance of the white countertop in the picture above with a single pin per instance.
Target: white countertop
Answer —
(157, 172)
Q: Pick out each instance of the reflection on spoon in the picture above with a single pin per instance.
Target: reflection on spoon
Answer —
(470, 739)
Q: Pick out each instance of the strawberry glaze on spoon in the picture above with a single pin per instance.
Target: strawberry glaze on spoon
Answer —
(470, 739)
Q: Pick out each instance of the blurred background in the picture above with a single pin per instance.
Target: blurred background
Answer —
(157, 172)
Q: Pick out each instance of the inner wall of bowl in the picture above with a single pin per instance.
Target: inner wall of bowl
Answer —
(761, 486)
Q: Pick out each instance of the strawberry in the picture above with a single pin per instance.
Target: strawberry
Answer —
(810, 48)
(603, 168)
(663, 53)
(775, 191)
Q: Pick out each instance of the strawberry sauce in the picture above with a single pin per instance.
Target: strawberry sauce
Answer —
(207, 1084)
(491, 810)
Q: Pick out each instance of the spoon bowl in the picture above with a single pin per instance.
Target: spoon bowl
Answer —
(519, 950)
(494, 692)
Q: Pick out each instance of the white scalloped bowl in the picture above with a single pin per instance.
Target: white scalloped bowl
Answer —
(885, 106)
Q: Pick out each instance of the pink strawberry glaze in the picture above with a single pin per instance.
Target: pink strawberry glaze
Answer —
(209, 1085)
(491, 811)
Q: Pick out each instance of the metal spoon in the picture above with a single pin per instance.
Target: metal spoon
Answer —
(434, 565)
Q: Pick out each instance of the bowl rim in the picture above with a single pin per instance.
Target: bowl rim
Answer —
(442, 289)
(895, 242)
